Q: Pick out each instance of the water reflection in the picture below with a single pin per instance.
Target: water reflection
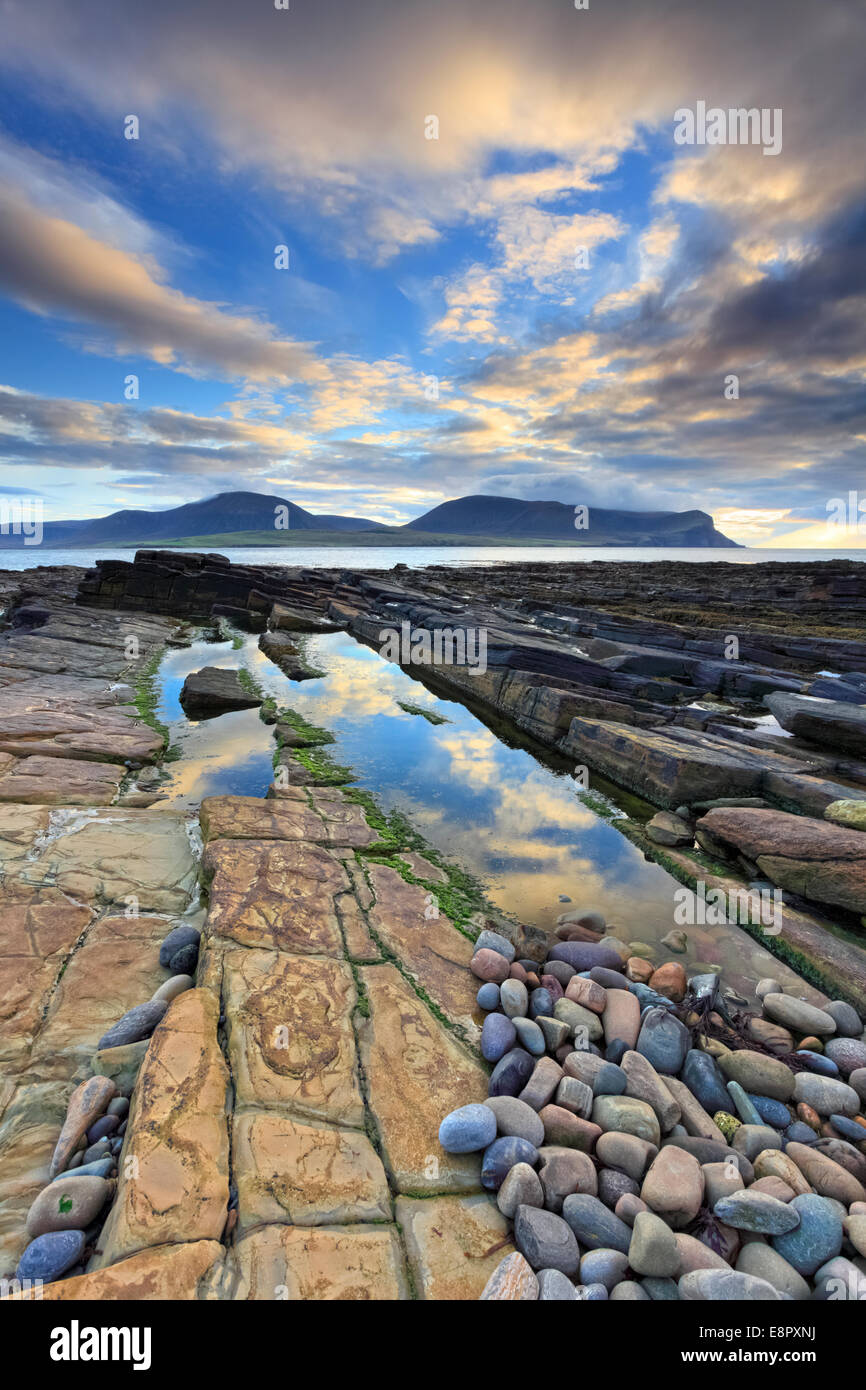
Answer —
(520, 826)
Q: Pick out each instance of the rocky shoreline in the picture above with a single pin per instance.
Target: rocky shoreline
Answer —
(234, 1160)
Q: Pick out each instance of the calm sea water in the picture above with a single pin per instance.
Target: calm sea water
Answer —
(383, 557)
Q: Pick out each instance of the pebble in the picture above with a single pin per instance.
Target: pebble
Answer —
(674, 1186)
(627, 1115)
(66, 1205)
(771, 1112)
(826, 1095)
(586, 955)
(495, 941)
(607, 1267)
(546, 1076)
(545, 1240)
(664, 1041)
(563, 1172)
(720, 1180)
(615, 1051)
(498, 1036)
(745, 1106)
(752, 1140)
(767, 986)
(848, 1022)
(661, 1290)
(848, 1129)
(559, 970)
(849, 1054)
(514, 998)
(119, 1106)
(184, 961)
(676, 941)
(553, 987)
(628, 1207)
(798, 1015)
(50, 1255)
(653, 1249)
(628, 1292)
(763, 1262)
(625, 1152)
(575, 1096)
(514, 1117)
(817, 1063)
(610, 1080)
(501, 1156)
(857, 1080)
(489, 966)
(541, 1002)
(591, 1293)
(758, 1074)
(512, 1279)
(521, 1188)
(137, 1023)
(487, 997)
(594, 1225)
(468, 1129)
(175, 941)
(817, 1238)
(173, 987)
(511, 1074)
(87, 1102)
(609, 979)
(103, 1128)
(613, 1186)
(563, 1128)
(725, 1285)
(756, 1211)
(727, 1123)
(101, 1168)
(529, 1035)
(701, 1074)
(669, 980)
(553, 1287)
(96, 1151)
(799, 1133)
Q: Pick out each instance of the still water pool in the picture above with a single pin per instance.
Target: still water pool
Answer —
(509, 814)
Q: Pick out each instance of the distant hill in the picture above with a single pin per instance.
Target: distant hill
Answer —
(230, 516)
(508, 516)
(228, 511)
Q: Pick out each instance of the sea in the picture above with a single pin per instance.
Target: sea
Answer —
(385, 557)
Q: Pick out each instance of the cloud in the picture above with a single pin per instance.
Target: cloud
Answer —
(53, 266)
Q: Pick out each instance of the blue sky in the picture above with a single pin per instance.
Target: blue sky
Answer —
(434, 334)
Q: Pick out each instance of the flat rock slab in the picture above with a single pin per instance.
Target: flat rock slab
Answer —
(416, 1073)
(290, 1035)
(213, 690)
(430, 948)
(324, 1264)
(831, 723)
(126, 854)
(29, 1128)
(35, 940)
(179, 1273)
(304, 1174)
(174, 1173)
(103, 735)
(453, 1244)
(275, 894)
(250, 818)
(116, 968)
(59, 781)
(814, 858)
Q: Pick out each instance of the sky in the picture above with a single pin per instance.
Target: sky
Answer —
(371, 255)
